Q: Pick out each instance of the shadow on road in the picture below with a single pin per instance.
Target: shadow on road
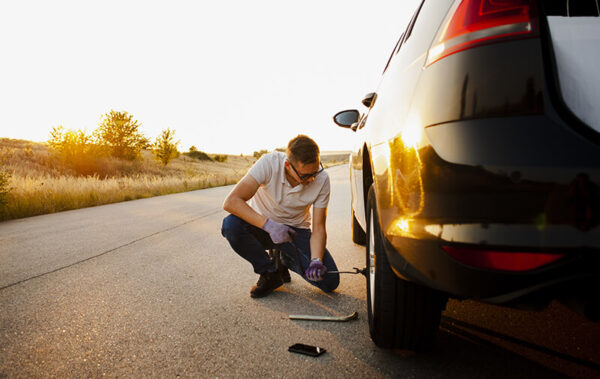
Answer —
(457, 354)
(451, 324)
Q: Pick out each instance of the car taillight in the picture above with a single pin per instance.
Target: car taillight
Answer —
(501, 260)
(471, 23)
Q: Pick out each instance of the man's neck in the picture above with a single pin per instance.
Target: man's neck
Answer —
(290, 178)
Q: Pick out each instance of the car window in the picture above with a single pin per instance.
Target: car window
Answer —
(411, 24)
(573, 8)
(396, 48)
(423, 29)
(419, 33)
(404, 36)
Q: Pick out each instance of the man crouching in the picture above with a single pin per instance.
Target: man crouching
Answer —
(270, 209)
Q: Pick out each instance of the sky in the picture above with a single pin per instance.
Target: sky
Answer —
(229, 76)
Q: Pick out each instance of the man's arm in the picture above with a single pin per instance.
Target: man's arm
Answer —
(235, 202)
(318, 238)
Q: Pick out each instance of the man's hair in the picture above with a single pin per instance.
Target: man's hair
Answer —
(303, 149)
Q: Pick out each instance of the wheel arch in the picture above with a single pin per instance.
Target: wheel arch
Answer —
(367, 175)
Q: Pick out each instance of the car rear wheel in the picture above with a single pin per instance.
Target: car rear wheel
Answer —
(358, 234)
(402, 314)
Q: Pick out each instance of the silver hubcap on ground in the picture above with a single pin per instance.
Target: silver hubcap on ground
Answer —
(372, 262)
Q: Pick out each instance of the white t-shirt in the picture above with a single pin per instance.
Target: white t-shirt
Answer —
(278, 200)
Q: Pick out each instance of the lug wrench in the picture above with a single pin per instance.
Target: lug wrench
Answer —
(356, 269)
(352, 316)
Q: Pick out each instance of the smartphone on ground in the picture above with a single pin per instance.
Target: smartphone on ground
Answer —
(300, 348)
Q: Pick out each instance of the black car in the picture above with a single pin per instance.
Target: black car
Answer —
(476, 168)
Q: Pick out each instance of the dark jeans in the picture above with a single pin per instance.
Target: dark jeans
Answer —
(251, 242)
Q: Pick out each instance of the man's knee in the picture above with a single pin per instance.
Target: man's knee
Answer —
(232, 226)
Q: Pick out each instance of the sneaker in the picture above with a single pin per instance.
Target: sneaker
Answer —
(284, 273)
(267, 282)
(281, 268)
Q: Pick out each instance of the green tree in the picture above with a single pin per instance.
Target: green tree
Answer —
(119, 133)
(165, 146)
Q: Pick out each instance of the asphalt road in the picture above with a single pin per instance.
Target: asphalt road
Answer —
(149, 288)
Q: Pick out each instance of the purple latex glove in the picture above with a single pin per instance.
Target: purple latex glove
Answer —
(279, 233)
(316, 270)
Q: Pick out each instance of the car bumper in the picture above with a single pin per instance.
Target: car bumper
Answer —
(518, 191)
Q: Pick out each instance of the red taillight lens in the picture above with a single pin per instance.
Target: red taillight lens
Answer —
(471, 23)
(501, 260)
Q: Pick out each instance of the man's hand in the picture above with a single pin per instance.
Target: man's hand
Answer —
(316, 270)
(279, 233)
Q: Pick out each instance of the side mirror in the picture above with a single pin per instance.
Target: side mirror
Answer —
(369, 99)
(345, 119)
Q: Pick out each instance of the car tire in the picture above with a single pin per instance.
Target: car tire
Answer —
(358, 234)
(402, 314)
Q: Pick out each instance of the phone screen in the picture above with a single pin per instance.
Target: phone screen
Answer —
(300, 348)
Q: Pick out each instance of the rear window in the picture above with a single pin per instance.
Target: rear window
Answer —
(572, 8)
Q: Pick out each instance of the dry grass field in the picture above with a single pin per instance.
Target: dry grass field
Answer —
(41, 183)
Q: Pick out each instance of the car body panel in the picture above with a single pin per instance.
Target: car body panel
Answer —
(477, 150)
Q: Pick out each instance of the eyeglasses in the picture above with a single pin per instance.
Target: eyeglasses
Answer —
(304, 177)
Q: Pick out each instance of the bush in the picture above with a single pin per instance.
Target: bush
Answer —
(199, 155)
(76, 150)
(260, 153)
(220, 158)
(71, 144)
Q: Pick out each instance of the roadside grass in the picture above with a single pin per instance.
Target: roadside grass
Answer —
(40, 183)
(46, 194)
